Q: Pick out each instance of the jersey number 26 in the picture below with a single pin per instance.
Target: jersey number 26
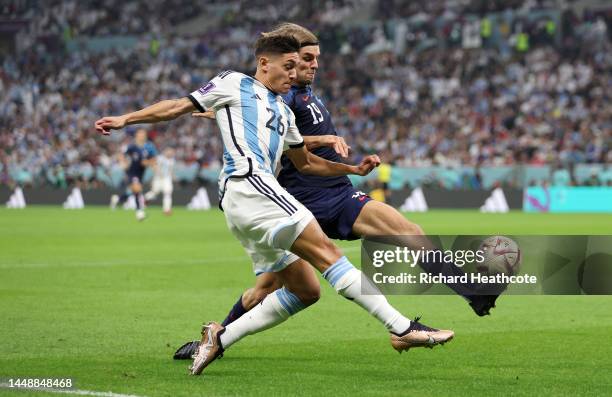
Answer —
(280, 127)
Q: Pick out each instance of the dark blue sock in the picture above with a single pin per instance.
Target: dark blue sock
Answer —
(237, 311)
(138, 197)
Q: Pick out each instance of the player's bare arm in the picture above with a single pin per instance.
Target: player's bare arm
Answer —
(336, 142)
(165, 110)
(309, 163)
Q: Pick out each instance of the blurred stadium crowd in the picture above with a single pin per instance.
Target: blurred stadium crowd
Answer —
(420, 83)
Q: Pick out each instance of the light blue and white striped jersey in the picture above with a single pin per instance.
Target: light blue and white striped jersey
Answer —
(256, 125)
(164, 167)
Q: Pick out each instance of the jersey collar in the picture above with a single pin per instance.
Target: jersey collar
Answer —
(260, 84)
(306, 88)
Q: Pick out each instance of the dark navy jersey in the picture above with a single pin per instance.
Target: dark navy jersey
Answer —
(136, 154)
(311, 118)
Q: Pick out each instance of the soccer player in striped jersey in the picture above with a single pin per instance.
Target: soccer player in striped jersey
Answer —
(276, 230)
(163, 173)
(342, 211)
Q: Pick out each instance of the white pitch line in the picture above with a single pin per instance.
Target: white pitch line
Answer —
(69, 391)
(140, 263)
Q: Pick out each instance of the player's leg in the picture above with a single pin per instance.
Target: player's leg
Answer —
(269, 281)
(315, 247)
(301, 289)
(266, 221)
(136, 188)
(114, 201)
(118, 199)
(305, 238)
(380, 219)
(167, 196)
(265, 284)
(155, 190)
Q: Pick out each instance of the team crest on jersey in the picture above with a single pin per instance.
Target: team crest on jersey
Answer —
(207, 88)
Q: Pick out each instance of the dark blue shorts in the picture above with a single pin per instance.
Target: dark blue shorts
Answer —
(335, 208)
(133, 177)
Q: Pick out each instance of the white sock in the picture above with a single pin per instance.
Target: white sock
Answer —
(346, 279)
(150, 195)
(167, 202)
(273, 310)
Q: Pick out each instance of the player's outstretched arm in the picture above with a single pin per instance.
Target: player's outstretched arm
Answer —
(161, 111)
(308, 163)
(336, 142)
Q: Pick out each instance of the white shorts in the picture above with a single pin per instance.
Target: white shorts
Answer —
(266, 219)
(162, 185)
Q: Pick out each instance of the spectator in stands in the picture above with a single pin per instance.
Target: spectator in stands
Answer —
(561, 176)
(432, 103)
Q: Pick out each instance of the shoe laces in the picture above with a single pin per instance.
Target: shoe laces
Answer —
(206, 345)
(415, 325)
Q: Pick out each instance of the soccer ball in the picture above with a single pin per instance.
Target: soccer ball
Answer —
(501, 255)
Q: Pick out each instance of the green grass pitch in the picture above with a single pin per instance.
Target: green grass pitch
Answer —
(95, 296)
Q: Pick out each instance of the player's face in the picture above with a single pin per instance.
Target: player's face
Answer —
(281, 72)
(141, 137)
(307, 65)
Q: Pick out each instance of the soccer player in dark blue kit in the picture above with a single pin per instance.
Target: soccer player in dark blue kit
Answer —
(342, 211)
(138, 156)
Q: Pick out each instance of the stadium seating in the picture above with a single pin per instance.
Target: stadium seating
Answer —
(406, 85)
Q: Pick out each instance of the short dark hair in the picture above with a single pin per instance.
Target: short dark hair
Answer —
(304, 36)
(276, 45)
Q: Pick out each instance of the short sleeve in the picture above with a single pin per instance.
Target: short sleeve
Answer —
(151, 151)
(214, 94)
(293, 138)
